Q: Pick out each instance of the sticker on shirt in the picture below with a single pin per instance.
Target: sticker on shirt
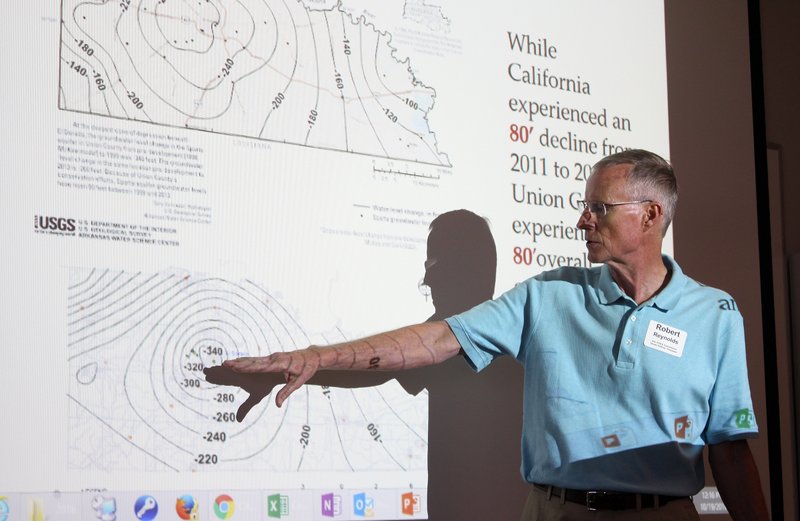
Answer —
(618, 438)
(744, 418)
(664, 338)
(683, 428)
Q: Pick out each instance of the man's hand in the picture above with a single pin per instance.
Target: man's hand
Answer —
(258, 386)
(297, 368)
(404, 348)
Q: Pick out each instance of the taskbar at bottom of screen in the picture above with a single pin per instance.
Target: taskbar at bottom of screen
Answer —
(234, 505)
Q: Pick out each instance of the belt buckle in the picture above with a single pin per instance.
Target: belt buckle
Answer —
(591, 496)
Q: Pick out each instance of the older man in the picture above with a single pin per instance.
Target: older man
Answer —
(631, 368)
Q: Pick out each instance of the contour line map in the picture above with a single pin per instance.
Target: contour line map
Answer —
(275, 70)
(136, 347)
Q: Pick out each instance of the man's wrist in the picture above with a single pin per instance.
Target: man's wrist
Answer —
(332, 357)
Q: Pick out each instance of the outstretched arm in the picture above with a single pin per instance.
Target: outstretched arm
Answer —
(259, 385)
(404, 348)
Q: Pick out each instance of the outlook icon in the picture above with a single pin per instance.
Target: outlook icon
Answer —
(363, 505)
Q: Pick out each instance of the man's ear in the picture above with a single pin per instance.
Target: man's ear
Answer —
(653, 215)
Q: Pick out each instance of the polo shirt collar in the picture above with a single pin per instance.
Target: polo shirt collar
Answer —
(668, 297)
(609, 291)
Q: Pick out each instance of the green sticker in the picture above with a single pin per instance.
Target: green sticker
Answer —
(744, 418)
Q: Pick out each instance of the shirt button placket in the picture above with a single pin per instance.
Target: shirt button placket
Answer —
(627, 354)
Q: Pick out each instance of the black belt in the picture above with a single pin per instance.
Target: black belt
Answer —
(601, 500)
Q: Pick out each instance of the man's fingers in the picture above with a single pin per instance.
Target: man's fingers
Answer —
(254, 364)
(294, 366)
(292, 384)
(282, 395)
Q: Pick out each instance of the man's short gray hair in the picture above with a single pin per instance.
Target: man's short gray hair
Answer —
(651, 177)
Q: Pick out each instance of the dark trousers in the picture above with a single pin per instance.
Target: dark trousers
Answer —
(539, 507)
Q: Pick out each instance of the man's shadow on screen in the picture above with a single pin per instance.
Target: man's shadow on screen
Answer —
(460, 272)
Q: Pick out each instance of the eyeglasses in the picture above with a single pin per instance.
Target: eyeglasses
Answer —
(600, 209)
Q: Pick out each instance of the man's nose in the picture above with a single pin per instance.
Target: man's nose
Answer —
(585, 219)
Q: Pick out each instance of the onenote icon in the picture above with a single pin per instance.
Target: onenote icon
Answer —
(186, 507)
(5, 509)
(223, 506)
(105, 509)
(331, 505)
(145, 508)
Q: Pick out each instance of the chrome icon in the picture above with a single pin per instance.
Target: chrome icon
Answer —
(223, 506)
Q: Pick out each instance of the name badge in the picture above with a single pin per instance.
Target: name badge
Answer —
(664, 338)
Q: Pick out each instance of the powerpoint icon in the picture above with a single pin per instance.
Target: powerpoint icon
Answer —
(410, 503)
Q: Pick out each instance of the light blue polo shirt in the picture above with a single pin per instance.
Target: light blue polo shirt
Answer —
(618, 396)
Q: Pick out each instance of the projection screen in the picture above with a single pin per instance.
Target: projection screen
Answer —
(191, 181)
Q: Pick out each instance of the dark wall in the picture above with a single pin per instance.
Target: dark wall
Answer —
(780, 45)
(711, 138)
(711, 135)
(780, 48)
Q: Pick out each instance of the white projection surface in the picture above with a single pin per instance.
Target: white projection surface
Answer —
(187, 181)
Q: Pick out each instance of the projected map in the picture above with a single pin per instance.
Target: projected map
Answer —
(277, 70)
(136, 346)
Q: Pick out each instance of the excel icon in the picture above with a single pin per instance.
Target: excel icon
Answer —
(277, 505)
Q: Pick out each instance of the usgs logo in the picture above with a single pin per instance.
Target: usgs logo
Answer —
(61, 224)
